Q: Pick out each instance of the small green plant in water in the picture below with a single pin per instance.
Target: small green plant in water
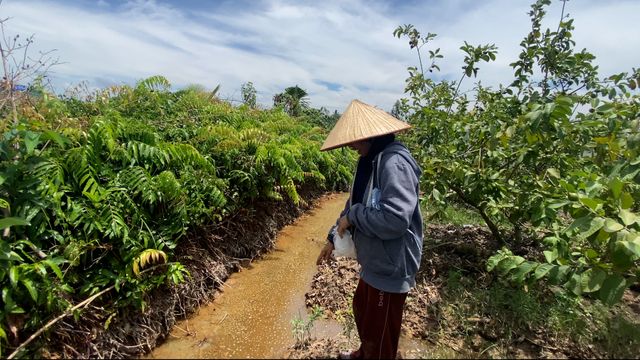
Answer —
(301, 328)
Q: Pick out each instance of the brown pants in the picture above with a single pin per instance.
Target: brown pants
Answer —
(378, 317)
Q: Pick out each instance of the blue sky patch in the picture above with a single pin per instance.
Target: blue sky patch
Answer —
(331, 86)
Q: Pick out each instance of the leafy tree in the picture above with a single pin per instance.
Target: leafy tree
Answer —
(552, 157)
(249, 94)
(398, 110)
(293, 100)
(321, 117)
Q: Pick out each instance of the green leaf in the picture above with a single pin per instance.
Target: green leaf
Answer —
(611, 226)
(557, 274)
(632, 236)
(593, 204)
(620, 256)
(509, 263)
(627, 217)
(591, 254)
(40, 268)
(54, 268)
(14, 275)
(616, 187)
(553, 172)
(10, 305)
(574, 284)
(7, 254)
(31, 141)
(595, 225)
(559, 204)
(626, 200)
(592, 279)
(12, 221)
(493, 261)
(542, 270)
(582, 223)
(603, 237)
(436, 195)
(612, 289)
(550, 256)
(28, 284)
(468, 71)
(55, 137)
(522, 270)
(632, 246)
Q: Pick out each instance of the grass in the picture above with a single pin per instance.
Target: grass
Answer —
(454, 214)
(503, 318)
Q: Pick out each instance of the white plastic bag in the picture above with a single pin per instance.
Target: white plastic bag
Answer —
(343, 245)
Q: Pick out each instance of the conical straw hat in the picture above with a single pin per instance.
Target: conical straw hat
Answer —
(361, 121)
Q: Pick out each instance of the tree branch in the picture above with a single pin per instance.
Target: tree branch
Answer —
(494, 229)
(51, 322)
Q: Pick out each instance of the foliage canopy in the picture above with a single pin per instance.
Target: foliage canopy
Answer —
(552, 157)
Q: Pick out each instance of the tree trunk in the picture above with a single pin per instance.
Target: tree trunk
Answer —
(492, 226)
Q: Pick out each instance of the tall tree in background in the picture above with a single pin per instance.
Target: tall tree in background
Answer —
(398, 111)
(249, 94)
(321, 117)
(293, 100)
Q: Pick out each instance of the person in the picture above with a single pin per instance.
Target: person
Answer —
(384, 218)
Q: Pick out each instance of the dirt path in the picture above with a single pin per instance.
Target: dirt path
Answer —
(252, 317)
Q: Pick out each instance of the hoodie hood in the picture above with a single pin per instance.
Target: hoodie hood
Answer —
(399, 148)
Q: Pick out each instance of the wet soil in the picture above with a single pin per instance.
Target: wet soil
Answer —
(251, 317)
(210, 254)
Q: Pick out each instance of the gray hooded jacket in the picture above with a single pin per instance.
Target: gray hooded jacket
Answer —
(388, 224)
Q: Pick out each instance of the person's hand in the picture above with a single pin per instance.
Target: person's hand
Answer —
(325, 254)
(343, 224)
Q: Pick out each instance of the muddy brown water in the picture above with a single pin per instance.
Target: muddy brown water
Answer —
(252, 317)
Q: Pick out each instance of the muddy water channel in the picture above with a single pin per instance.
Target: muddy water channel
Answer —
(251, 318)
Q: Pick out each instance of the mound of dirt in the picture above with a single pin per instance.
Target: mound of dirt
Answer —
(334, 284)
(319, 349)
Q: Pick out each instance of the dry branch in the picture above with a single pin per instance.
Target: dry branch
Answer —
(50, 323)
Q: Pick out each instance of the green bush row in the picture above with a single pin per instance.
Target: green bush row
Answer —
(97, 192)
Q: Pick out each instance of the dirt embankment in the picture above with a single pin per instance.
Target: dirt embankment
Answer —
(209, 255)
(459, 310)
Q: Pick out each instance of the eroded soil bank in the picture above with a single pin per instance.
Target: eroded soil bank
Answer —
(210, 255)
(251, 317)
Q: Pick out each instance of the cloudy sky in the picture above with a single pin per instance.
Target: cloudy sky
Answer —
(337, 50)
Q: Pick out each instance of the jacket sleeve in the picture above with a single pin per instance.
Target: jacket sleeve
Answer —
(342, 213)
(398, 199)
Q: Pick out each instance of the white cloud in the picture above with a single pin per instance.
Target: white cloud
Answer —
(278, 43)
